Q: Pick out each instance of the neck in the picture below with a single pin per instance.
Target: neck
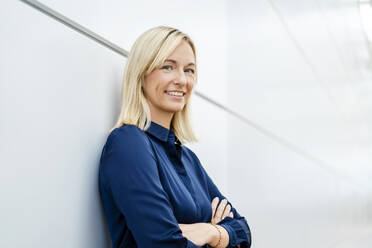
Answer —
(163, 119)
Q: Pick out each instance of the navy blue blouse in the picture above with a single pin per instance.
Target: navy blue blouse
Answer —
(149, 183)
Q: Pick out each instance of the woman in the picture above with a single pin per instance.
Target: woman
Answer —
(154, 190)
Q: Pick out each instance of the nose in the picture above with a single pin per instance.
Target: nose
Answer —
(180, 78)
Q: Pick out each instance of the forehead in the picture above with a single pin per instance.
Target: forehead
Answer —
(183, 53)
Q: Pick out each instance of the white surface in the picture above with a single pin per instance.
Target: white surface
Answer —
(56, 96)
(296, 68)
(300, 72)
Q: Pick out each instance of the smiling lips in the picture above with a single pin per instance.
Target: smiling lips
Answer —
(175, 93)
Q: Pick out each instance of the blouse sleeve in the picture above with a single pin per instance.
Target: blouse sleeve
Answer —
(129, 171)
(237, 227)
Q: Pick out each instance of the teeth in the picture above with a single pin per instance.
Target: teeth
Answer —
(172, 93)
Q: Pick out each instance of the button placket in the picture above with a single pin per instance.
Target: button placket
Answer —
(176, 153)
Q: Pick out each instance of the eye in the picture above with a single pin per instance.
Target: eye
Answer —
(167, 67)
(190, 70)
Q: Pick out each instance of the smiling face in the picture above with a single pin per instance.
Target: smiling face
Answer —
(168, 88)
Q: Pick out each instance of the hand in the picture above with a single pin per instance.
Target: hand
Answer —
(198, 233)
(221, 212)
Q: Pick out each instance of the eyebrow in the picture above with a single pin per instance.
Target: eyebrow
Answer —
(175, 62)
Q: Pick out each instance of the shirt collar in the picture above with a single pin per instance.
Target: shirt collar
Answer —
(162, 133)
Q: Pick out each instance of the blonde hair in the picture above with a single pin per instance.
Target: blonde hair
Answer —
(149, 51)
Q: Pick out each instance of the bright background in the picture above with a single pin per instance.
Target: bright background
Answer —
(299, 72)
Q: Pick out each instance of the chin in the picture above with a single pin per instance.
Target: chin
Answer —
(175, 109)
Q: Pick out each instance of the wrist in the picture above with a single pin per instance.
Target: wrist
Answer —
(215, 235)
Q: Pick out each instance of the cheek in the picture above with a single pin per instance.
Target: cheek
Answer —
(155, 83)
(191, 85)
(158, 90)
(154, 90)
(161, 85)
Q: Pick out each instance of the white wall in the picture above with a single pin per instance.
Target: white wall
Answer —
(301, 171)
(295, 70)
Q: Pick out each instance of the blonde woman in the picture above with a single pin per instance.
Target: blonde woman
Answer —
(154, 190)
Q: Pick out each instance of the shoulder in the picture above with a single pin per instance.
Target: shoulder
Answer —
(191, 156)
(188, 152)
(197, 166)
(126, 141)
(125, 147)
(126, 132)
(127, 135)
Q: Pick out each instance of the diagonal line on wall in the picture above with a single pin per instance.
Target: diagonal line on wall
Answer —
(90, 34)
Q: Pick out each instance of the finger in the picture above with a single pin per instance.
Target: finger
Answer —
(214, 205)
(220, 210)
(226, 212)
(231, 215)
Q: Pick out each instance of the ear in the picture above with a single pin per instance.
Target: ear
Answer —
(143, 80)
(143, 85)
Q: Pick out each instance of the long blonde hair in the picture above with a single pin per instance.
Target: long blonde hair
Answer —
(149, 51)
